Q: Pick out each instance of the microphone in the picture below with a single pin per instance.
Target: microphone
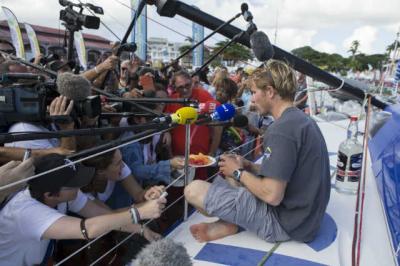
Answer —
(163, 252)
(74, 87)
(222, 113)
(261, 46)
(208, 107)
(239, 121)
(246, 13)
(183, 116)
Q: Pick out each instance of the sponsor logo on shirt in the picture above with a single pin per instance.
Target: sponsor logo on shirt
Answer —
(267, 153)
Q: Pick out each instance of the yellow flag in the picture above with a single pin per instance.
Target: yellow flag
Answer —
(15, 31)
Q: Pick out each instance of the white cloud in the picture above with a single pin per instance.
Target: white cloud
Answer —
(298, 21)
(326, 47)
(289, 39)
(366, 35)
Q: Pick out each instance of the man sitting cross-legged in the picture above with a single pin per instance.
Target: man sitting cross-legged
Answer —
(286, 196)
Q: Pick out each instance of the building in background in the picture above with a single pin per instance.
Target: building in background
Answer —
(162, 49)
(51, 41)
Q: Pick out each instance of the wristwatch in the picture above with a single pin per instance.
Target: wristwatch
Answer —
(237, 173)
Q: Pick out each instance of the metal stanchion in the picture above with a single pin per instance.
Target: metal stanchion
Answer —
(186, 168)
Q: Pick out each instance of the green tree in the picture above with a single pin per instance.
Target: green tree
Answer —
(391, 47)
(354, 48)
(234, 52)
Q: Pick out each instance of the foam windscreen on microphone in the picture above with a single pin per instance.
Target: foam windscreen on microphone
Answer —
(73, 87)
(225, 112)
(244, 7)
(261, 46)
(240, 121)
(185, 115)
(164, 252)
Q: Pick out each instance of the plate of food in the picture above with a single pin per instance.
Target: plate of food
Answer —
(201, 160)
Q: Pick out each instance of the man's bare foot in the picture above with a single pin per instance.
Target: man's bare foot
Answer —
(211, 231)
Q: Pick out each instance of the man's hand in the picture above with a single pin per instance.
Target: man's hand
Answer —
(17, 169)
(108, 64)
(153, 193)
(58, 107)
(152, 208)
(177, 163)
(229, 163)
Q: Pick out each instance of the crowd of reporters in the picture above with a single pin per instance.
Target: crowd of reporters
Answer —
(122, 187)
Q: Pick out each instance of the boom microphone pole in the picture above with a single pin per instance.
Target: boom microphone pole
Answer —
(23, 136)
(170, 8)
(234, 39)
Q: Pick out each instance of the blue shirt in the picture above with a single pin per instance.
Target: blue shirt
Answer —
(133, 156)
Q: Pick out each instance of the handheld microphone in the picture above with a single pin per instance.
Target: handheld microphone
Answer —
(183, 116)
(261, 46)
(208, 107)
(222, 113)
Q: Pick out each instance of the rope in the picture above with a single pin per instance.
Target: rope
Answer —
(97, 238)
(363, 180)
(129, 236)
(77, 161)
(269, 253)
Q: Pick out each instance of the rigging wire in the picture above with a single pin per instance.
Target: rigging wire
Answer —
(170, 205)
(79, 160)
(129, 236)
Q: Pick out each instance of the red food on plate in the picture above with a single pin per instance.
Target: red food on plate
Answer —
(199, 159)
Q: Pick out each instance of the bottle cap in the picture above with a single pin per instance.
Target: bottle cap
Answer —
(353, 118)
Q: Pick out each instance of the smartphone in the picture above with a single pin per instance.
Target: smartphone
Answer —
(146, 82)
(27, 154)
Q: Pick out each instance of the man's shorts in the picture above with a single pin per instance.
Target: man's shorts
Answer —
(239, 206)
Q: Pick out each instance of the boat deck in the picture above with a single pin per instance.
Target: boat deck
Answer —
(333, 244)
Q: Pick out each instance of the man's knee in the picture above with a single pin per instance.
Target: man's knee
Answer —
(195, 191)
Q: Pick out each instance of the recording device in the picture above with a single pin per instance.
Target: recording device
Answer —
(223, 112)
(72, 17)
(261, 46)
(27, 154)
(246, 13)
(164, 252)
(28, 102)
(183, 116)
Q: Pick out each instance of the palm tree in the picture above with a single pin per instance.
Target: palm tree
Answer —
(354, 49)
(234, 52)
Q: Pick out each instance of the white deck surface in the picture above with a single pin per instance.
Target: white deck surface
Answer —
(375, 245)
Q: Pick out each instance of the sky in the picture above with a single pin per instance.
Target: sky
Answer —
(326, 25)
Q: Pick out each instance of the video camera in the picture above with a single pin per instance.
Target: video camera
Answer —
(24, 97)
(77, 19)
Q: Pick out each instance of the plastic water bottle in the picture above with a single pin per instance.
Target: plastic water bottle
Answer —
(349, 160)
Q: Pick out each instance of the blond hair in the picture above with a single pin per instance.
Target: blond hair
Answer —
(280, 76)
